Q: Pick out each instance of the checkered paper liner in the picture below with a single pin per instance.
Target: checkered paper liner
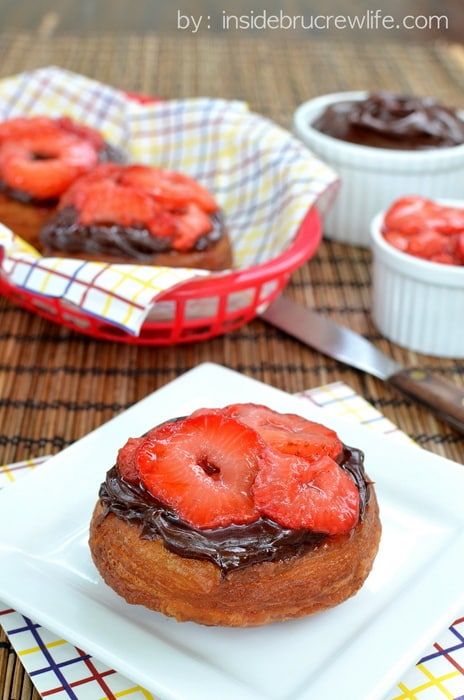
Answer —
(60, 670)
(264, 179)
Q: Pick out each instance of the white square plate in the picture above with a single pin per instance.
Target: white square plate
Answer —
(358, 650)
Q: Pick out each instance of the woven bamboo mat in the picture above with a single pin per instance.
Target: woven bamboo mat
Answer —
(56, 386)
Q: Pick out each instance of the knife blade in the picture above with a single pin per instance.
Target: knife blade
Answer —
(340, 343)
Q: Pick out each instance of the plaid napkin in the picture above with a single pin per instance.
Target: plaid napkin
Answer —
(264, 179)
(60, 670)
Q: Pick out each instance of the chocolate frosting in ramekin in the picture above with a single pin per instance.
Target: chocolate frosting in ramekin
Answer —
(388, 120)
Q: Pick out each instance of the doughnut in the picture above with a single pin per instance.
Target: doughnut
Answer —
(237, 516)
(138, 214)
(40, 157)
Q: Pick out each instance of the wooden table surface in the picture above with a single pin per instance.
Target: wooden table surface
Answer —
(57, 385)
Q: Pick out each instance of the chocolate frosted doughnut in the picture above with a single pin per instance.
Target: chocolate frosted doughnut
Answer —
(137, 214)
(191, 521)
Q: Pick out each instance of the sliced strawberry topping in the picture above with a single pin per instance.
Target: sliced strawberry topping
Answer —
(26, 126)
(204, 468)
(397, 240)
(414, 214)
(44, 166)
(108, 195)
(174, 189)
(164, 224)
(298, 493)
(82, 131)
(126, 461)
(299, 484)
(425, 229)
(235, 464)
(40, 158)
(77, 193)
(459, 249)
(426, 244)
(107, 202)
(191, 223)
(288, 432)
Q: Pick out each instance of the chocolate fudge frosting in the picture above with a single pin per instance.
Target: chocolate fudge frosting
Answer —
(230, 548)
(63, 233)
(388, 120)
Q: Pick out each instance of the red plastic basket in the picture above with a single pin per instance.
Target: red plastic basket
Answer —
(196, 310)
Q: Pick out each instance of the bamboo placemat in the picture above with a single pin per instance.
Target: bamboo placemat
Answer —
(56, 386)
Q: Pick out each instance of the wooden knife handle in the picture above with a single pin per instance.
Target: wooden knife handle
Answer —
(444, 399)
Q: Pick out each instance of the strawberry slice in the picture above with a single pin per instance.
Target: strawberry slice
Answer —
(126, 462)
(397, 240)
(203, 467)
(17, 127)
(82, 131)
(45, 164)
(173, 189)
(163, 224)
(191, 223)
(316, 495)
(106, 202)
(444, 258)
(414, 214)
(459, 249)
(107, 195)
(42, 156)
(288, 432)
(427, 244)
(77, 193)
(425, 229)
(126, 458)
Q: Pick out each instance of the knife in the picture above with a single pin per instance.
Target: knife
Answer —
(343, 344)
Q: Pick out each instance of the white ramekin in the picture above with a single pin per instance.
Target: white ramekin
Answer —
(372, 178)
(416, 303)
